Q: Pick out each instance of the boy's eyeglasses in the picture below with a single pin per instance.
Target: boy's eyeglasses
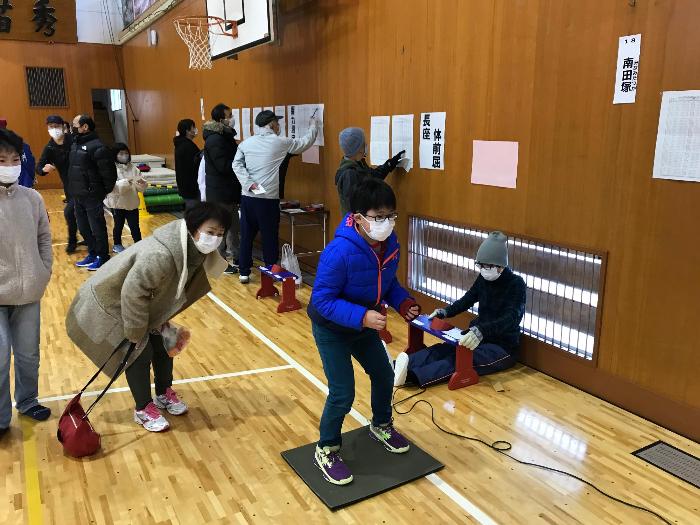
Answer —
(481, 266)
(382, 218)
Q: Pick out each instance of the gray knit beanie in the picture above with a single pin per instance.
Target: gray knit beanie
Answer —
(494, 250)
(352, 140)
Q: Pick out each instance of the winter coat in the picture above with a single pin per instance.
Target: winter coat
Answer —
(186, 163)
(350, 173)
(147, 285)
(26, 255)
(57, 155)
(91, 170)
(351, 279)
(219, 151)
(26, 176)
(501, 308)
(125, 195)
(260, 157)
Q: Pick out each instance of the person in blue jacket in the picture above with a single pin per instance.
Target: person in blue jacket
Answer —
(494, 336)
(356, 272)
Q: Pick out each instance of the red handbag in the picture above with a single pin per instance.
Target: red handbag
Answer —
(75, 433)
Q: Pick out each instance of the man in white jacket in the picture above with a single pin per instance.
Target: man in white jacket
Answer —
(257, 165)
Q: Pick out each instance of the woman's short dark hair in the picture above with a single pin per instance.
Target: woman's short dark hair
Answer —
(10, 141)
(372, 194)
(204, 211)
(120, 146)
(184, 126)
(219, 112)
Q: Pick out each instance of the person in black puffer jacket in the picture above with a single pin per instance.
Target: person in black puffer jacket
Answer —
(494, 336)
(55, 158)
(221, 183)
(92, 174)
(187, 158)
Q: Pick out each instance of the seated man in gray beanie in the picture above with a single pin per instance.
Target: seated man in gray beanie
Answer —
(354, 168)
(494, 335)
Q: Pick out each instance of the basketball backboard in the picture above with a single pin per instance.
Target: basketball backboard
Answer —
(256, 25)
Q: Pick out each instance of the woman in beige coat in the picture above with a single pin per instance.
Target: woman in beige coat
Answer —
(133, 295)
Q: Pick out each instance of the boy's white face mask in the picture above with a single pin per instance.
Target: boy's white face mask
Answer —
(10, 174)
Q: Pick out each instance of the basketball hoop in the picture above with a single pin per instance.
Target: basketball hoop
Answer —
(199, 32)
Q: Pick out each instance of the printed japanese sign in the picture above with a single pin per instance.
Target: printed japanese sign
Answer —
(432, 140)
(628, 52)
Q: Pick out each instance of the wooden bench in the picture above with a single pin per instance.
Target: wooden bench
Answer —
(464, 374)
(288, 301)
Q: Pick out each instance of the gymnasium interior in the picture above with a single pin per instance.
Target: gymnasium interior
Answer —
(571, 126)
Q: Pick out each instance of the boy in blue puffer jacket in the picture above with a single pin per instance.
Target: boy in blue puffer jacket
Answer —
(357, 271)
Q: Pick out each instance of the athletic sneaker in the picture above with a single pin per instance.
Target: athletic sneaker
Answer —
(84, 263)
(71, 249)
(400, 369)
(38, 413)
(118, 248)
(151, 419)
(245, 279)
(96, 265)
(170, 402)
(331, 464)
(392, 440)
(231, 269)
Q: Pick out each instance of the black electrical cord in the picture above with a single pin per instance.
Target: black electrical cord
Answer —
(502, 447)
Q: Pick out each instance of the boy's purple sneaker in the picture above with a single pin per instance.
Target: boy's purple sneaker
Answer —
(331, 464)
(388, 436)
(90, 259)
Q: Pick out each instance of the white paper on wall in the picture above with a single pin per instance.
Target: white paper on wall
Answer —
(379, 140)
(402, 139)
(677, 154)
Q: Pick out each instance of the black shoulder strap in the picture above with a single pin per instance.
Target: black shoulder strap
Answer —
(120, 368)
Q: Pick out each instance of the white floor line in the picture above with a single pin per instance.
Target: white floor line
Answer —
(95, 393)
(469, 507)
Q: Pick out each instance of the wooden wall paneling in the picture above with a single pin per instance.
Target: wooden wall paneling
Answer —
(540, 72)
(86, 66)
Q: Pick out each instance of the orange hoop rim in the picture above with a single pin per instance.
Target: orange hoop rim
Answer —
(209, 22)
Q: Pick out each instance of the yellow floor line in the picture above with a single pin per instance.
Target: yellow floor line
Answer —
(31, 474)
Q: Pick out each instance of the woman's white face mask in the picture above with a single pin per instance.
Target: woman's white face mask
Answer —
(207, 243)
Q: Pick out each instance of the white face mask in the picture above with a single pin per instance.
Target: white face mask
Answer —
(56, 133)
(490, 274)
(231, 122)
(195, 132)
(380, 231)
(207, 243)
(10, 174)
(123, 159)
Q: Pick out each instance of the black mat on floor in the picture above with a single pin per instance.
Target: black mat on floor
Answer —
(374, 469)
(672, 460)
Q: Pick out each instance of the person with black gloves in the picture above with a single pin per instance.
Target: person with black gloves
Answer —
(494, 336)
(92, 175)
(354, 169)
(54, 159)
(187, 160)
(221, 183)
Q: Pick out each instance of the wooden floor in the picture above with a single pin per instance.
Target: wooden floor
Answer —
(221, 463)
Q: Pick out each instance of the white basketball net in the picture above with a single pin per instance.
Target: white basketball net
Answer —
(199, 34)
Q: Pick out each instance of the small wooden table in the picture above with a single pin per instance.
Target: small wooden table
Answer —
(464, 374)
